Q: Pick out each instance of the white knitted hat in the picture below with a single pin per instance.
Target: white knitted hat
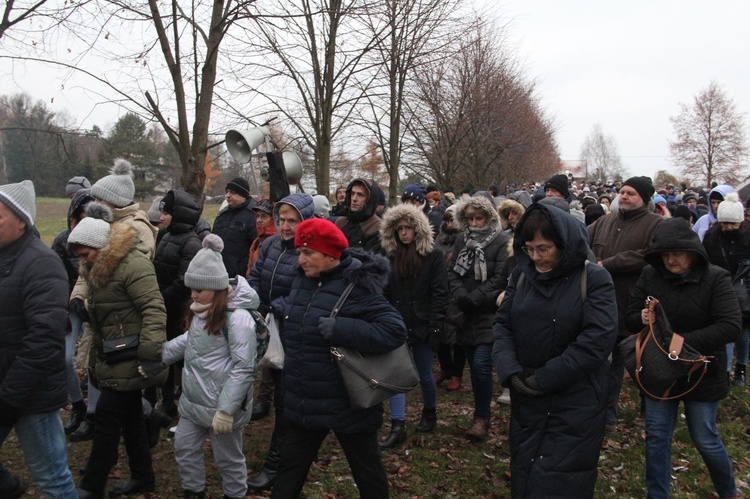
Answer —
(20, 198)
(730, 210)
(118, 187)
(93, 230)
(207, 270)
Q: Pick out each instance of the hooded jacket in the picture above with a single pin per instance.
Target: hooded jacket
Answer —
(124, 300)
(700, 305)
(315, 396)
(361, 228)
(543, 327)
(176, 249)
(276, 268)
(219, 370)
(706, 221)
(236, 227)
(420, 300)
(477, 324)
(60, 244)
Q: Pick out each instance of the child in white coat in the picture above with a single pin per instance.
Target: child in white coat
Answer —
(219, 350)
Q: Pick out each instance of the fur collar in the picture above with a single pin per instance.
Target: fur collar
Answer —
(416, 218)
(122, 239)
(367, 270)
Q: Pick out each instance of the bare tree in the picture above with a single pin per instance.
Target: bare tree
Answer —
(601, 157)
(710, 140)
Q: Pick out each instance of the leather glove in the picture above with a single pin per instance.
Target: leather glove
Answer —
(325, 325)
(150, 368)
(77, 306)
(8, 415)
(222, 422)
(521, 387)
(264, 310)
(465, 303)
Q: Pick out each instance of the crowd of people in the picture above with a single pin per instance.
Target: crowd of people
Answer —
(534, 289)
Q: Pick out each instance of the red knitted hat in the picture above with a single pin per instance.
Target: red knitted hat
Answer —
(321, 235)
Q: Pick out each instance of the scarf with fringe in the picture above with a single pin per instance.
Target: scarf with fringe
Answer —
(472, 254)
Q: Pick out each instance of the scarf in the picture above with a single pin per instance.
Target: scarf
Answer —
(199, 309)
(473, 252)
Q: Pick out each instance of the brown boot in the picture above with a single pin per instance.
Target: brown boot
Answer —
(440, 376)
(479, 429)
(453, 384)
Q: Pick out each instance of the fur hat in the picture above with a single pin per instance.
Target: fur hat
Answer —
(321, 235)
(559, 183)
(240, 186)
(322, 206)
(20, 198)
(415, 191)
(206, 269)
(118, 187)
(76, 184)
(93, 231)
(730, 210)
(643, 186)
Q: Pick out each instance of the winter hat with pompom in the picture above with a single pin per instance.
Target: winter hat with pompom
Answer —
(116, 188)
(93, 230)
(207, 270)
(730, 210)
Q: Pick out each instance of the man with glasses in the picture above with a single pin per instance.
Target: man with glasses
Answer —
(618, 241)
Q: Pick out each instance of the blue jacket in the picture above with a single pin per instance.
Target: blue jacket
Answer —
(315, 396)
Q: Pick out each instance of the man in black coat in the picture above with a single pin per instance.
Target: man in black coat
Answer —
(235, 225)
(34, 294)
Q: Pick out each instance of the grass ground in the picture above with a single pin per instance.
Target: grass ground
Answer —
(444, 463)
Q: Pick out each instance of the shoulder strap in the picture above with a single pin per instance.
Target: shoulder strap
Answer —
(341, 300)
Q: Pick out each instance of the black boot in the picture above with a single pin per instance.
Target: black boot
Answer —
(15, 489)
(739, 375)
(85, 494)
(155, 421)
(85, 431)
(189, 494)
(396, 436)
(132, 487)
(260, 410)
(76, 417)
(428, 422)
(264, 480)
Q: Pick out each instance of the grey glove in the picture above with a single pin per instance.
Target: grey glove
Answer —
(325, 325)
(523, 388)
(150, 369)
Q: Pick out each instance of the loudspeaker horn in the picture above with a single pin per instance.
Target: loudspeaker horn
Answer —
(241, 143)
(293, 167)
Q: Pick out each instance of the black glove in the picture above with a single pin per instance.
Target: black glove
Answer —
(325, 325)
(150, 368)
(8, 415)
(264, 310)
(521, 387)
(465, 303)
(76, 305)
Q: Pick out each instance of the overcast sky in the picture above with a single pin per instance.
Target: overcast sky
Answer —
(628, 65)
(625, 65)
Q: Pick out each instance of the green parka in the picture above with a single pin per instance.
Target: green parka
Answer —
(123, 300)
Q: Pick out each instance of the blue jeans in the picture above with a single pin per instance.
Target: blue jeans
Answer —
(42, 440)
(742, 347)
(423, 357)
(480, 365)
(701, 421)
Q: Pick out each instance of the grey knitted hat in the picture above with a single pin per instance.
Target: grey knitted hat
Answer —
(20, 198)
(93, 230)
(322, 206)
(116, 188)
(76, 184)
(731, 210)
(207, 270)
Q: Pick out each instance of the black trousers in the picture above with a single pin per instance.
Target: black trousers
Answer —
(301, 448)
(118, 412)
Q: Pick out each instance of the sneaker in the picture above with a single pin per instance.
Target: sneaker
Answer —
(504, 398)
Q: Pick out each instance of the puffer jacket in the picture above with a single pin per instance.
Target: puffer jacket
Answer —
(276, 268)
(124, 300)
(236, 227)
(60, 244)
(700, 305)
(315, 396)
(707, 221)
(477, 324)
(176, 249)
(33, 293)
(421, 300)
(219, 371)
(543, 327)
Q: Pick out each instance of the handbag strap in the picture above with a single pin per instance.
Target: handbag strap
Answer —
(341, 300)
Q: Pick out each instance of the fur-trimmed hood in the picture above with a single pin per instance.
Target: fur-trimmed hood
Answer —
(477, 203)
(122, 239)
(505, 207)
(416, 218)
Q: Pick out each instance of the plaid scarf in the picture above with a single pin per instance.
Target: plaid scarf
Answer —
(473, 252)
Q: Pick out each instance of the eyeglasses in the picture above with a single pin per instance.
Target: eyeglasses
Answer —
(539, 250)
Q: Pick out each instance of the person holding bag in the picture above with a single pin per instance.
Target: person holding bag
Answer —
(128, 320)
(315, 398)
(700, 304)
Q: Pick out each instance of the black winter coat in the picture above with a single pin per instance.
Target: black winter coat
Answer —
(544, 328)
(315, 397)
(700, 305)
(34, 295)
(236, 227)
(176, 248)
(60, 244)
